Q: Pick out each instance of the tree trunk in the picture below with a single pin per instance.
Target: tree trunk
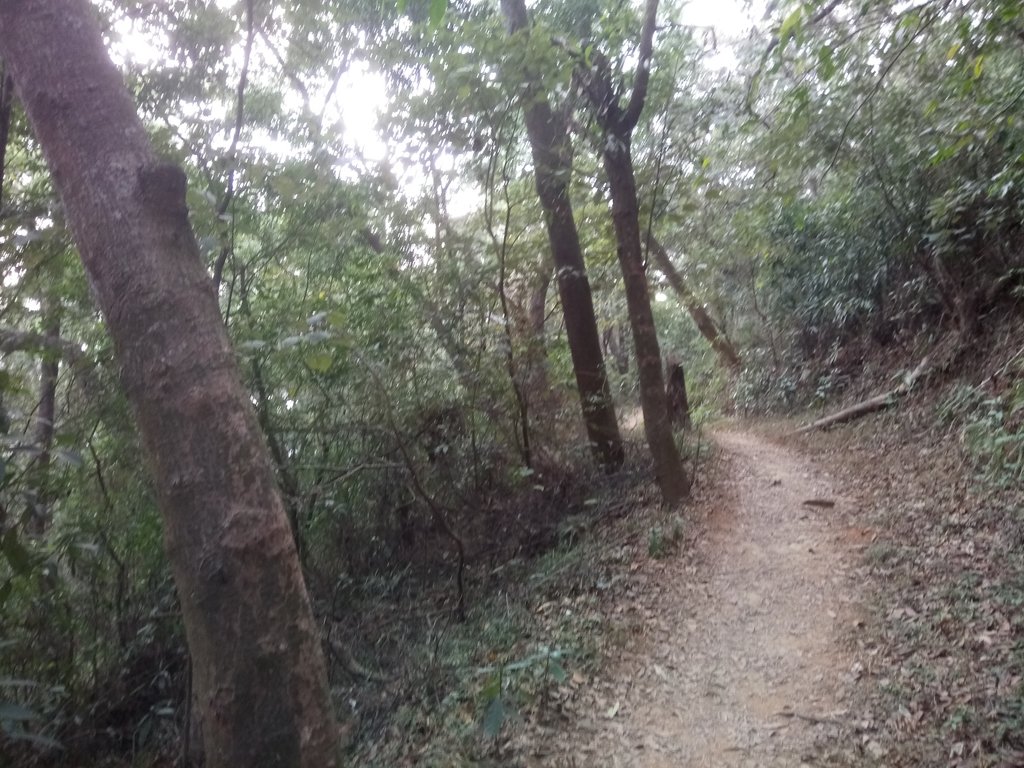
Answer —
(668, 467)
(6, 103)
(545, 401)
(46, 415)
(678, 402)
(258, 667)
(537, 385)
(615, 346)
(709, 330)
(549, 143)
(618, 122)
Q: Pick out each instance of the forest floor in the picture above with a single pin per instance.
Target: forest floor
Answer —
(741, 660)
(850, 598)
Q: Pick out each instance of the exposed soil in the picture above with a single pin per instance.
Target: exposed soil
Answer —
(741, 659)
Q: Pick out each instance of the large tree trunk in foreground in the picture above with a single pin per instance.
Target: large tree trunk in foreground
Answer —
(549, 142)
(709, 330)
(258, 667)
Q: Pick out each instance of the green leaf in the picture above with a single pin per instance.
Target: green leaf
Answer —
(19, 558)
(493, 688)
(557, 672)
(494, 717)
(790, 27)
(978, 66)
(320, 362)
(437, 11)
(826, 63)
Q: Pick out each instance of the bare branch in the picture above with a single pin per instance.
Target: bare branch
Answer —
(232, 158)
(637, 98)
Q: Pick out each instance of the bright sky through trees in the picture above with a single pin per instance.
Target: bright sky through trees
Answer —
(364, 94)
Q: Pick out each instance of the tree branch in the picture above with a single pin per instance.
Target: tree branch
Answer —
(229, 193)
(643, 73)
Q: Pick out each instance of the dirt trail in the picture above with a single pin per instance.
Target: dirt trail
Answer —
(742, 663)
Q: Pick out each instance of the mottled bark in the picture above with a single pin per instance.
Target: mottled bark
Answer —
(549, 143)
(258, 668)
(618, 123)
(708, 328)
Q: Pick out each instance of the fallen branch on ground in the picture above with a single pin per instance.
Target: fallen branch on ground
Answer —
(876, 403)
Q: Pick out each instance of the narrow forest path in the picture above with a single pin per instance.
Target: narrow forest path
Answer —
(741, 661)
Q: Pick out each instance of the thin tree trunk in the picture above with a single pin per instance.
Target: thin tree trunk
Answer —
(549, 143)
(707, 327)
(668, 467)
(258, 668)
(6, 103)
(537, 385)
(764, 319)
(46, 416)
(618, 123)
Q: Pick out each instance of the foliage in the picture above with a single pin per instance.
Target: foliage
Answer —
(856, 176)
(990, 426)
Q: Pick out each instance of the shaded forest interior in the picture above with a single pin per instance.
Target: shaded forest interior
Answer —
(468, 283)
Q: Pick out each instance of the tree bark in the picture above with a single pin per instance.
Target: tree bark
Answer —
(537, 385)
(549, 143)
(6, 103)
(258, 667)
(709, 330)
(46, 416)
(668, 468)
(618, 123)
(678, 402)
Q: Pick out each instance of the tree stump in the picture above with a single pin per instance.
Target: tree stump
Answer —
(678, 405)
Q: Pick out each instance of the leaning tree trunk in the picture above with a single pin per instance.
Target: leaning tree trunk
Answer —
(552, 164)
(258, 667)
(708, 328)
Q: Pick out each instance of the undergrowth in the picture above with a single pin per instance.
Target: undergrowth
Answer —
(457, 693)
(944, 649)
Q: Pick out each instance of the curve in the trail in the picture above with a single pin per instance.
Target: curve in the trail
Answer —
(744, 665)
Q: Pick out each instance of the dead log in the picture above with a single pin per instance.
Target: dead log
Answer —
(876, 403)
